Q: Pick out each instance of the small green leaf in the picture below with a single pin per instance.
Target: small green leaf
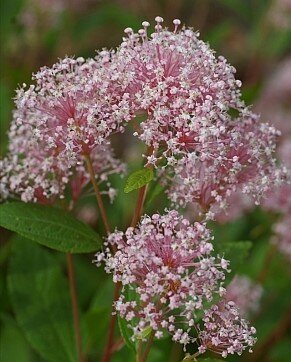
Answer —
(138, 179)
(54, 228)
(146, 332)
(40, 298)
(125, 333)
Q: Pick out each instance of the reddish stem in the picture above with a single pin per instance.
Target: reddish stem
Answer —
(266, 264)
(97, 193)
(110, 339)
(139, 205)
(73, 292)
(148, 347)
(140, 198)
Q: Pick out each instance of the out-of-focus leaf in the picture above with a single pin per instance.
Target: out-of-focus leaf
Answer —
(241, 8)
(54, 228)
(8, 13)
(108, 13)
(281, 351)
(13, 345)
(138, 179)
(279, 43)
(40, 299)
(216, 35)
(125, 333)
(97, 317)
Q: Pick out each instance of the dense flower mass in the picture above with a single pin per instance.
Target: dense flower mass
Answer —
(195, 118)
(74, 106)
(186, 97)
(178, 83)
(36, 176)
(245, 293)
(66, 116)
(224, 331)
(242, 160)
(205, 144)
(168, 263)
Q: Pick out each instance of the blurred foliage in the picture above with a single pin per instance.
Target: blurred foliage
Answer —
(32, 35)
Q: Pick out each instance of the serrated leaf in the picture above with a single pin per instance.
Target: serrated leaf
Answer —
(40, 298)
(125, 333)
(138, 179)
(49, 226)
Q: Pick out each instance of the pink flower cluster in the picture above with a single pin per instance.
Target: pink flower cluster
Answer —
(225, 332)
(241, 160)
(187, 96)
(204, 154)
(69, 114)
(168, 273)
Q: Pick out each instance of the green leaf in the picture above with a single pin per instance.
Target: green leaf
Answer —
(138, 179)
(40, 299)
(54, 228)
(13, 345)
(125, 333)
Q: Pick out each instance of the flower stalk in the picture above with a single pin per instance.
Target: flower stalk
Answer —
(97, 193)
(74, 300)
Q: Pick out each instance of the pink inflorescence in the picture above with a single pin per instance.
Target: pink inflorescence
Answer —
(74, 106)
(224, 331)
(207, 142)
(167, 263)
(245, 293)
(68, 115)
